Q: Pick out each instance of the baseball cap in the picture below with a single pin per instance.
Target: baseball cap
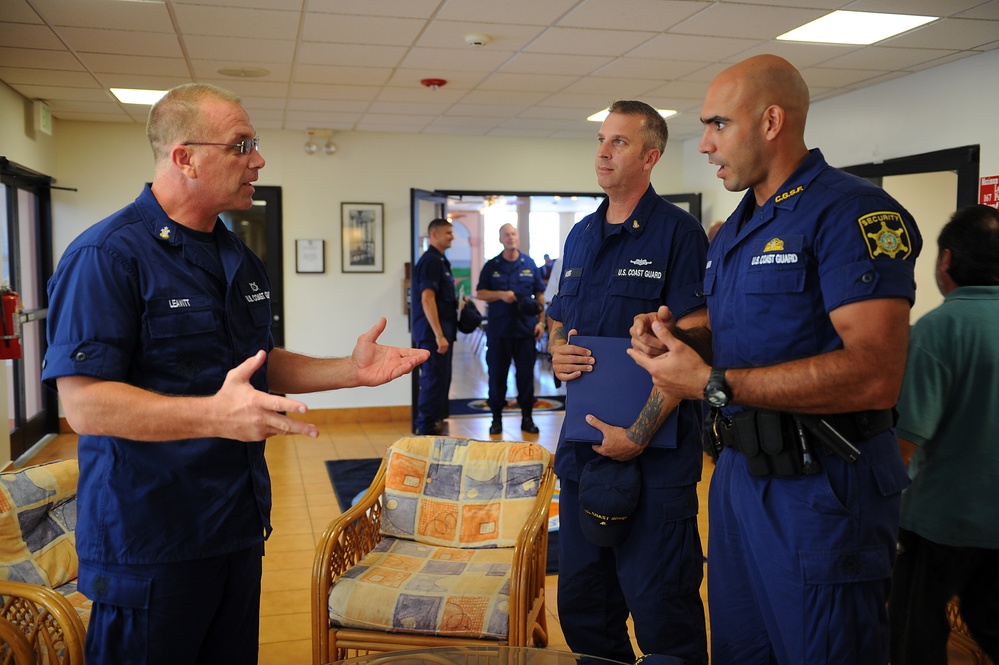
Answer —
(608, 495)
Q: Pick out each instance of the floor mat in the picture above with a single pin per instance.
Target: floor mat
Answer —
(478, 407)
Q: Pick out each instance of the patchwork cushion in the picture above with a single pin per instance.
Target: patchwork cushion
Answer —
(80, 603)
(460, 493)
(38, 524)
(405, 586)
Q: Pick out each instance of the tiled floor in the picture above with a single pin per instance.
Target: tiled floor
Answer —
(304, 504)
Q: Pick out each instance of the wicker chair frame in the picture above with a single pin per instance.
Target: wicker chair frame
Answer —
(960, 635)
(355, 533)
(38, 625)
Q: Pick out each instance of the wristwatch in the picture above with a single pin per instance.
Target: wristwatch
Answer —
(717, 393)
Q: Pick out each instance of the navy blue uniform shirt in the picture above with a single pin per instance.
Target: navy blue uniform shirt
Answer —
(523, 278)
(824, 240)
(433, 271)
(139, 299)
(654, 258)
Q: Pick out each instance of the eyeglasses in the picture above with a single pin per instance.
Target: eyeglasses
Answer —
(245, 147)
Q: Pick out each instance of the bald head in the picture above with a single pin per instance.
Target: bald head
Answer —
(768, 80)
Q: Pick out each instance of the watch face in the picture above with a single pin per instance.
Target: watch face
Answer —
(715, 397)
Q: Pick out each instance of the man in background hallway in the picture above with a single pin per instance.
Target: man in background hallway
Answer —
(435, 326)
(511, 283)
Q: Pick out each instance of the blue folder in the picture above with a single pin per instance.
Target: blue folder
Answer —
(615, 392)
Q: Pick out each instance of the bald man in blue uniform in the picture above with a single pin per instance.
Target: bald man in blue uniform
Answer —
(809, 284)
(509, 282)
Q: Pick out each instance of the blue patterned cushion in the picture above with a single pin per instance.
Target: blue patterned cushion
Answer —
(408, 586)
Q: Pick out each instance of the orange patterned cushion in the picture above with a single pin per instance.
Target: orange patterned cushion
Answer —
(412, 587)
(460, 492)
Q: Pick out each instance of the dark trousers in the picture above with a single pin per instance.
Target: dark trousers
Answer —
(499, 352)
(654, 575)
(926, 576)
(199, 612)
(435, 382)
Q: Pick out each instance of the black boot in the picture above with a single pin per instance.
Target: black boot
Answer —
(497, 425)
(527, 424)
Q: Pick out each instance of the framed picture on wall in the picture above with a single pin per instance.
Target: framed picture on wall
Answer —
(310, 256)
(363, 234)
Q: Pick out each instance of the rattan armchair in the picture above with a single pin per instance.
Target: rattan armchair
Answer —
(38, 625)
(357, 532)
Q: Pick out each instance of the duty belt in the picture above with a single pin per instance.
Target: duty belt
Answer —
(780, 444)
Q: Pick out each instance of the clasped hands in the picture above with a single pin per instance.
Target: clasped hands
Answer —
(676, 367)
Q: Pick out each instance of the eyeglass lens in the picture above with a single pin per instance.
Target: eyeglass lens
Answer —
(247, 145)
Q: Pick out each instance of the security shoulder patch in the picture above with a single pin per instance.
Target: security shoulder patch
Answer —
(885, 235)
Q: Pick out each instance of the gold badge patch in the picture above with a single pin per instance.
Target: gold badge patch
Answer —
(885, 235)
(775, 245)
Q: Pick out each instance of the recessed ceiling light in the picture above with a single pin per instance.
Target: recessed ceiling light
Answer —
(600, 115)
(136, 96)
(859, 28)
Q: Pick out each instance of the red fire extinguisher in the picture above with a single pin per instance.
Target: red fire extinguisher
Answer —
(10, 349)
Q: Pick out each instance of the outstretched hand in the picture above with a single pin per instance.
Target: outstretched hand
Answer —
(246, 414)
(376, 364)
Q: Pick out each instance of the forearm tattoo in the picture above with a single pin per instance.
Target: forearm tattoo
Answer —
(648, 420)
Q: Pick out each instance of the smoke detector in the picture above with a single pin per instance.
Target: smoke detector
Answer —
(477, 40)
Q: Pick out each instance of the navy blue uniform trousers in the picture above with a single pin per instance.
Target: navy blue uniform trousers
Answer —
(659, 568)
(202, 612)
(435, 382)
(499, 352)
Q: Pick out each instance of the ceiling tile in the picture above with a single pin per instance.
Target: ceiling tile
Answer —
(674, 46)
(315, 53)
(377, 30)
(487, 110)
(527, 82)
(107, 14)
(407, 9)
(26, 35)
(746, 21)
(585, 41)
(441, 60)
(342, 75)
(949, 33)
(122, 42)
(248, 24)
(38, 59)
(524, 12)
(648, 68)
(575, 65)
(102, 63)
(502, 36)
(656, 15)
(238, 50)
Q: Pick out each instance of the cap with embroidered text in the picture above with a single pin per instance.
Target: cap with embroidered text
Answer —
(608, 495)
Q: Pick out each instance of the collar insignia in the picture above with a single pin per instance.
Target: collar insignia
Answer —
(165, 233)
(635, 224)
(788, 194)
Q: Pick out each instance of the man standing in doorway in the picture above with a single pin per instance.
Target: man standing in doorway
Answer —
(435, 326)
(635, 252)
(511, 283)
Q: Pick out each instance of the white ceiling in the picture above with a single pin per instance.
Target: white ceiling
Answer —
(357, 64)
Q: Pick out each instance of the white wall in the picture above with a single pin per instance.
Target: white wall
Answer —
(939, 108)
(325, 313)
(945, 107)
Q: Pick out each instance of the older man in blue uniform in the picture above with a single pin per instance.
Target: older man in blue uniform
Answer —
(511, 283)
(160, 346)
(809, 284)
(655, 573)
